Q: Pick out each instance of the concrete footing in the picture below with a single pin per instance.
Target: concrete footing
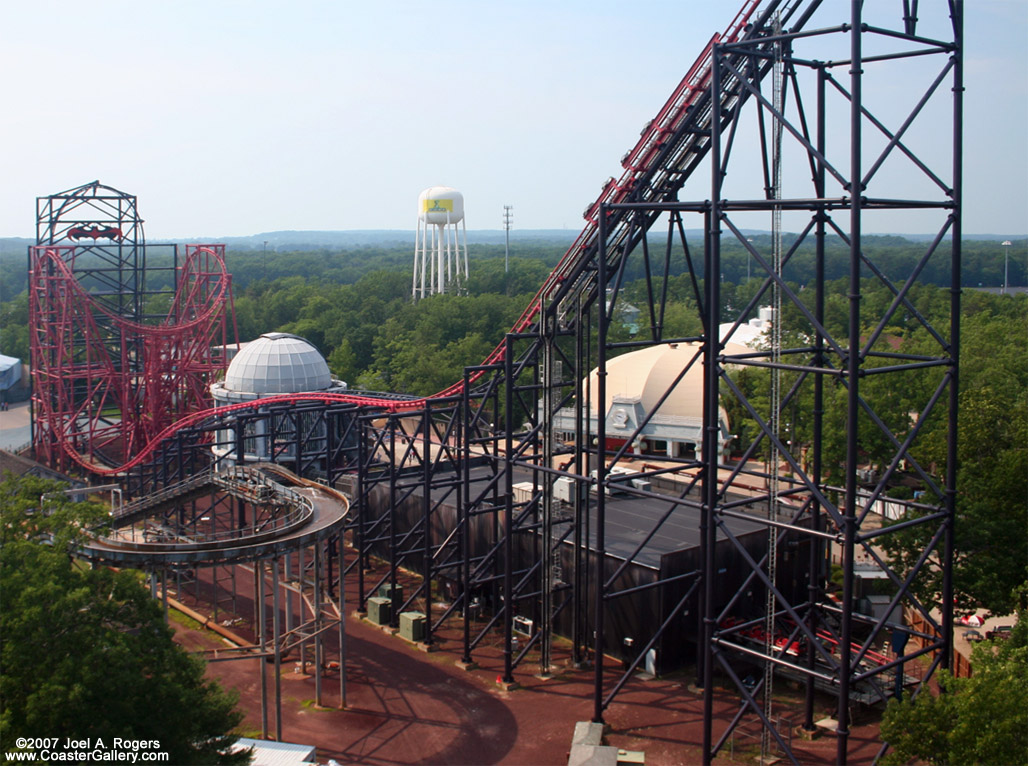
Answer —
(587, 748)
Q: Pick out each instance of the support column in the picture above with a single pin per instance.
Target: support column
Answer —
(463, 519)
(362, 510)
(319, 659)
(164, 594)
(601, 468)
(342, 626)
(301, 583)
(708, 533)
(508, 513)
(583, 429)
(853, 371)
(815, 562)
(426, 509)
(287, 576)
(394, 619)
(277, 639)
(258, 571)
(952, 458)
(548, 330)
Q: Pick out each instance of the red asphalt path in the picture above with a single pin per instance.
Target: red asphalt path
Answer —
(406, 706)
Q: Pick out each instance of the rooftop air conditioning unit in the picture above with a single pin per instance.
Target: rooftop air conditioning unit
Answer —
(380, 610)
(523, 626)
(412, 626)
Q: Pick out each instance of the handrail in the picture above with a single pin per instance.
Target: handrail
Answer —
(161, 496)
(236, 480)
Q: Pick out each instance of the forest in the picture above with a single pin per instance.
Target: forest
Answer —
(342, 299)
(355, 306)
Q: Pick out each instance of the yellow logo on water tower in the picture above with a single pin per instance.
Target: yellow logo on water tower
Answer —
(437, 206)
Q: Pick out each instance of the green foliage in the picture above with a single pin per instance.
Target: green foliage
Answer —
(992, 453)
(524, 275)
(343, 361)
(978, 720)
(992, 481)
(425, 346)
(14, 327)
(992, 505)
(375, 338)
(85, 652)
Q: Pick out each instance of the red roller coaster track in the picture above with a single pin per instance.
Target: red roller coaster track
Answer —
(105, 383)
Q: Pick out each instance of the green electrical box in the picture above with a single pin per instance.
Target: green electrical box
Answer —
(394, 592)
(412, 626)
(380, 610)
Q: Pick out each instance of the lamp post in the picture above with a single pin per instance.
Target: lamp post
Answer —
(1006, 262)
(508, 217)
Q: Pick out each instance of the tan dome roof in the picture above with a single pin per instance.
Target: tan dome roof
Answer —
(646, 374)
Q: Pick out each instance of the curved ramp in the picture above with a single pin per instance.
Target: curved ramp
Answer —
(311, 513)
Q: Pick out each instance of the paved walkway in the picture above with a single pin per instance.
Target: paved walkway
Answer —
(405, 706)
(15, 430)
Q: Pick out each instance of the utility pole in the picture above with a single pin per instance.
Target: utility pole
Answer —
(1006, 262)
(508, 218)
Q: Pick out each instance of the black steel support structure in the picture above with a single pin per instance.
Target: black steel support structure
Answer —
(837, 637)
(827, 507)
(456, 491)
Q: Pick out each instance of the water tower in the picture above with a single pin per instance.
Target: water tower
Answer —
(440, 250)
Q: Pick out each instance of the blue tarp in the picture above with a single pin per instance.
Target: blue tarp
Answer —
(10, 372)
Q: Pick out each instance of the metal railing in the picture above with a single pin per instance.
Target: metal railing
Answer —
(239, 481)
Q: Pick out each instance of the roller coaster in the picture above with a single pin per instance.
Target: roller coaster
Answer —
(425, 475)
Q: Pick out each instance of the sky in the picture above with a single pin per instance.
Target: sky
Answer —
(232, 118)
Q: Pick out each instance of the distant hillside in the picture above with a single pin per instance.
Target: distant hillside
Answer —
(316, 240)
(299, 240)
(13, 249)
(15, 245)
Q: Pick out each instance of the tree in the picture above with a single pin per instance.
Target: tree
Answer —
(978, 720)
(991, 531)
(343, 362)
(992, 441)
(85, 653)
(14, 321)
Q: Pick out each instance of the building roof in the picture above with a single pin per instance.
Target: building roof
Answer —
(268, 753)
(645, 376)
(20, 465)
(278, 363)
(752, 334)
(10, 372)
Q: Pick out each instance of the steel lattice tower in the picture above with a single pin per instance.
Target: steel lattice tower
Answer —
(119, 350)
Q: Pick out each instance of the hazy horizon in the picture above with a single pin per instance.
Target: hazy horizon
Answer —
(228, 119)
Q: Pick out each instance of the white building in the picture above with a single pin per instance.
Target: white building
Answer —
(753, 334)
